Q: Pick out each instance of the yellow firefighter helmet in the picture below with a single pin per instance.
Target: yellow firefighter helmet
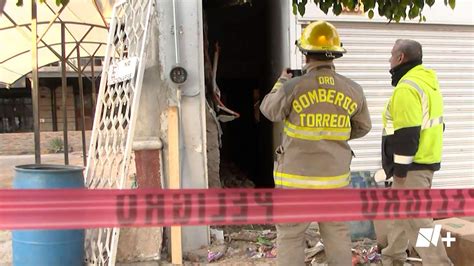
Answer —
(320, 37)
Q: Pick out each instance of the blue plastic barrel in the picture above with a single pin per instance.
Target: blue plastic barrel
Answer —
(48, 247)
(362, 229)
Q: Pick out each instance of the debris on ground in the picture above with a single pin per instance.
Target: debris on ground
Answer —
(217, 236)
(310, 253)
(214, 256)
(262, 243)
(365, 252)
(312, 235)
(314, 251)
(246, 235)
(249, 243)
(262, 252)
(414, 259)
(257, 243)
(233, 177)
(206, 254)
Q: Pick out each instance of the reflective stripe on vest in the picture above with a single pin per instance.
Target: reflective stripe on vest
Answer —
(299, 181)
(388, 129)
(309, 133)
(427, 122)
(402, 159)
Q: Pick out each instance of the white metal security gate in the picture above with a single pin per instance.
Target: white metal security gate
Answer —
(447, 49)
(109, 157)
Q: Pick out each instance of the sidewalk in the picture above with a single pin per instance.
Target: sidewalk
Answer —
(8, 162)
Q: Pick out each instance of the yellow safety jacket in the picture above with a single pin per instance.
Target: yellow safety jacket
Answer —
(413, 124)
(321, 111)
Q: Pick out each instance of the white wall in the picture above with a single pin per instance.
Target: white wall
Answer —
(281, 32)
(279, 35)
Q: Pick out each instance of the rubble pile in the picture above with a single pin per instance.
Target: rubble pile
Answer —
(238, 243)
(365, 252)
(257, 243)
(233, 177)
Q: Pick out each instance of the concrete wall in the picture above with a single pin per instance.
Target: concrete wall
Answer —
(280, 15)
(192, 104)
(23, 143)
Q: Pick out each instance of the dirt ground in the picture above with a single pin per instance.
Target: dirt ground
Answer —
(8, 163)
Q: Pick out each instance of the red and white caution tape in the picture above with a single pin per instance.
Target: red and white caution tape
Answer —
(82, 208)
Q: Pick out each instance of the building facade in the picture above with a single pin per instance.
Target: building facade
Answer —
(447, 38)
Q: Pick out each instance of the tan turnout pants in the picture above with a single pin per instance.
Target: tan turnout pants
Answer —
(291, 243)
(402, 231)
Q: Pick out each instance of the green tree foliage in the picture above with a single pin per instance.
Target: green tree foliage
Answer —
(58, 2)
(393, 10)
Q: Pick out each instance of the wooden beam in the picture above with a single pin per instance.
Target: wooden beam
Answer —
(174, 179)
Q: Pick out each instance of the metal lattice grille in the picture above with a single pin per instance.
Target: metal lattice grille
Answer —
(109, 161)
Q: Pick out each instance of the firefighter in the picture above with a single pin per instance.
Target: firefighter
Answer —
(411, 144)
(321, 111)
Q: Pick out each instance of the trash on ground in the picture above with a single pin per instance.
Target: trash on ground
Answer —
(264, 241)
(217, 236)
(214, 256)
(311, 252)
(246, 235)
(365, 252)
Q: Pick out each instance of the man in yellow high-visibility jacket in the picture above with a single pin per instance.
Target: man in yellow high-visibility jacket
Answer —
(321, 110)
(411, 145)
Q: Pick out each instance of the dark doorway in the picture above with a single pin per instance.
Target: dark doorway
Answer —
(16, 111)
(240, 31)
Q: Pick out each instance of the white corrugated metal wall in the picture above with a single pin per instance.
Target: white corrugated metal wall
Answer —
(449, 50)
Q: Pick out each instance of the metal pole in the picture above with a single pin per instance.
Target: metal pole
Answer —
(94, 93)
(53, 109)
(81, 100)
(34, 82)
(64, 93)
(176, 31)
(80, 41)
(51, 22)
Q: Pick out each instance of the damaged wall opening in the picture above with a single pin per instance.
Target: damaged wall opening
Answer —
(237, 31)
